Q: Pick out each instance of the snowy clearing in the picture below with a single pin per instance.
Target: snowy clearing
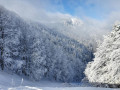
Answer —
(15, 82)
(58, 88)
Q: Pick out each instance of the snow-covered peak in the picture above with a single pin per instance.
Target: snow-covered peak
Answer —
(73, 22)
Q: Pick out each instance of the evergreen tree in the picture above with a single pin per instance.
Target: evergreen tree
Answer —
(106, 65)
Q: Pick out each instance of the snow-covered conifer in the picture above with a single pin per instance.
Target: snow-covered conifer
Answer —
(106, 65)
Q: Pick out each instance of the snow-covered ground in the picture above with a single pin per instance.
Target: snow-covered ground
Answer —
(14, 82)
(58, 88)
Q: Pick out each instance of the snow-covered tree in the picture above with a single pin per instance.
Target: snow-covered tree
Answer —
(2, 26)
(9, 33)
(106, 65)
(60, 69)
(38, 66)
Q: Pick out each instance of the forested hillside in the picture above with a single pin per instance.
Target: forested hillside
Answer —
(75, 28)
(31, 49)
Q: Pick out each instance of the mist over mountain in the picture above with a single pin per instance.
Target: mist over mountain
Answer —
(76, 29)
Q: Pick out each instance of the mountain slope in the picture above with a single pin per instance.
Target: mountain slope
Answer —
(33, 50)
(76, 29)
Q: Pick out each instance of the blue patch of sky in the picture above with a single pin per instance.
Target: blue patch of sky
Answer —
(70, 6)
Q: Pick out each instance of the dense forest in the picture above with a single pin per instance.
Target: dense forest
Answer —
(33, 50)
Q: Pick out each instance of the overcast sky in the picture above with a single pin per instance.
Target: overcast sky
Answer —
(97, 13)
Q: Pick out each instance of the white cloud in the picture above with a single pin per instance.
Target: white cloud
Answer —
(45, 11)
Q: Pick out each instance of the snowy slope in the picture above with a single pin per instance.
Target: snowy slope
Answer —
(13, 82)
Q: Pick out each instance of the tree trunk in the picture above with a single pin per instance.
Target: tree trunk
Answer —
(2, 49)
